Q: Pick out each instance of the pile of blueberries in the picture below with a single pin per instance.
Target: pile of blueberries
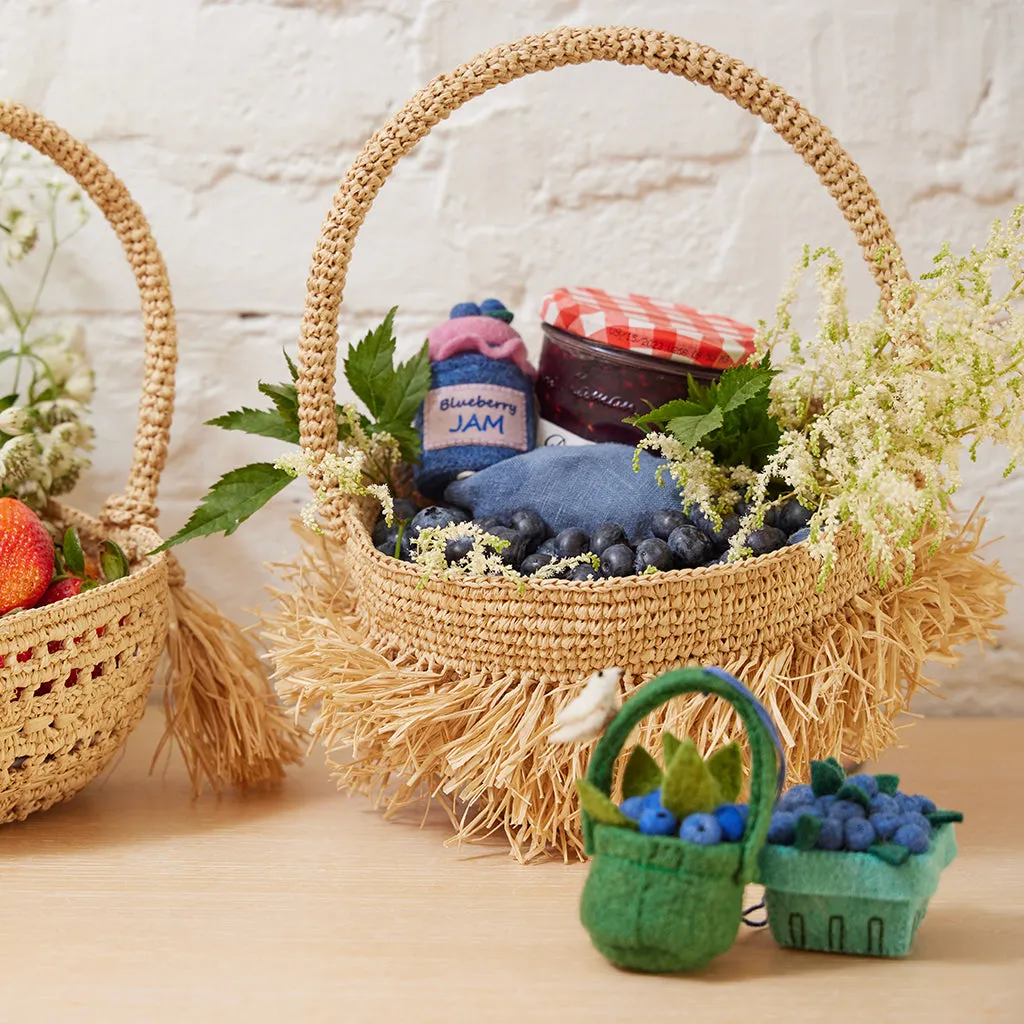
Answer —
(724, 825)
(677, 540)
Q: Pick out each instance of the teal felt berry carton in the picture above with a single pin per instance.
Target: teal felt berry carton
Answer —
(673, 901)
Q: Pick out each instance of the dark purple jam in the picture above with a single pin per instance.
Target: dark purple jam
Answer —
(589, 388)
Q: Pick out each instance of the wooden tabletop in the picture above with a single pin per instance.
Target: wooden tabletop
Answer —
(133, 904)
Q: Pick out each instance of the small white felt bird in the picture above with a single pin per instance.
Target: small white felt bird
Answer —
(585, 717)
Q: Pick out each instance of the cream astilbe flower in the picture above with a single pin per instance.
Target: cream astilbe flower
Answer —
(483, 559)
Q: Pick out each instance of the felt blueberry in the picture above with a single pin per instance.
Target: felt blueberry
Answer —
(885, 825)
(464, 309)
(800, 536)
(859, 834)
(515, 552)
(665, 520)
(795, 796)
(766, 540)
(832, 835)
(405, 509)
(457, 548)
(492, 307)
(924, 805)
(582, 572)
(744, 811)
(906, 801)
(617, 561)
(571, 542)
(810, 809)
(844, 809)
(531, 563)
(690, 547)
(730, 821)
(547, 547)
(916, 819)
(605, 536)
(652, 552)
(702, 829)
(632, 807)
(882, 803)
(792, 516)
(530, 525)
(826, 801)
(865, 782)
(656, 821)
(913, 837)
(653, 799)
(782, 829)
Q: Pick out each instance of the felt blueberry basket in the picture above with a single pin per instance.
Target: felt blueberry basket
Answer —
(855, 903)
(657, 903)
(450, 686)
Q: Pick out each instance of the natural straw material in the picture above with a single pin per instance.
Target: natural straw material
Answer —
(449, 687)
(74, 676)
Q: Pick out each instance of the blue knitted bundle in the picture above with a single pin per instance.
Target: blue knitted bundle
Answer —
(479, 411)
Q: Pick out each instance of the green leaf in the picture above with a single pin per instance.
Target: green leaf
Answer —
(600, 807)
(669, 746)
(888, 784)
(7, 401)
(691, 430)
(261, 422)
(808, 828)
(369, 366)
(891, 853)
(74, 557)
(741, 384)
(285, 399)
(726, 768)
(408, 388)
(848, 791)
(664, 413)
(231, 500)
(642, 775)
(688, 786)
(827, 777)
(293, 370)
(944, 817)
(113, 561)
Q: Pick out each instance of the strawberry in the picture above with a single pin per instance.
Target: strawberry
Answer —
(61, 590)
(26, 556)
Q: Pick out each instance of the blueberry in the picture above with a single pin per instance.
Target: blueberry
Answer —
(795, 797)
(583, 572)
(765, 540)
(531, 563)
(464, 309)
(405, 509)
(488, 523)
(605, 536)
(906, 802)
(924, 805)
(529, 525)
(885, 825)
(744, 810)
(810, 810)
(547, 547)
(800, 536)
(665, 520)
(731, 821)
(436, 516)
(882, 803)
(457, 548)
(632, 807)
(782, 829)
(515, 552)
(652, 552)
(702, 829)
(573, 541)
(859, 834)
(841, 810)
(916, 819)
(913, 837)
(792, 516)
(690, 547)
(656, 821)
(387, 543)
(617, 561)
(826, 801)
(722, 559)
(832, 834)
(864, 782)
(380, 531)
(653, 799)
(719, 536)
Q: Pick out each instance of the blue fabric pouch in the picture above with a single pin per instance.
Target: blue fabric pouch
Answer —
(582, 486)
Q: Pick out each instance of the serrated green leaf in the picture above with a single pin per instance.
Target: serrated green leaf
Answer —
(888, 784)
(726, 768)
(691, 430)
(285, 399)
(827, 777)
(642, 774)
(663, 413)
(113, 561)
(231, 500)
(74, 557)
(261, 422)
(369, 366)
(600, 807)
(293, 370)
(808, 828)
(669, 746)
(741, 384)
(408, 388)
(688, 786)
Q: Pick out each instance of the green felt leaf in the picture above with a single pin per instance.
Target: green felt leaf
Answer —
(231, 500)
(369, 365)
(691, 430)
(726, 768)
(808, 828)
(939, 817)
(836, 764)
(688, 786)
(827, 777)
(888, 784)
(642, 774)
(74, 557)
(113, 561)
(850, 792)
(669, 746)
(261, 422)
(600, 807)
(891, 853)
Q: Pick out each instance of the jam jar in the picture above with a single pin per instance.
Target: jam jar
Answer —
(608, 357)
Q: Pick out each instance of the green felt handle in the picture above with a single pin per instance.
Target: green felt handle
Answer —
(762, 748)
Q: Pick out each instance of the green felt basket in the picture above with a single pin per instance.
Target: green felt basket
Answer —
(851, 902)
(659, 904)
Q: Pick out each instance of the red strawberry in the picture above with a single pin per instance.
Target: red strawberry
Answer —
(61, 590)
(26, 556)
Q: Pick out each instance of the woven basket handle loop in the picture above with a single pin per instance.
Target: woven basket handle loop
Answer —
(137, 505)
(764, 768)
(659, 51)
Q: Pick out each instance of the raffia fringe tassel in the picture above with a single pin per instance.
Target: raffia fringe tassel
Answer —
(402, 730)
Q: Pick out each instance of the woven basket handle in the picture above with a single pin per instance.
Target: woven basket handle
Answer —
(766, 767)
(659, 51)
(137, 505)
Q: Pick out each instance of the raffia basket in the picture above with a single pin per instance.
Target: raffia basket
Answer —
(75, 676)
(449, 688)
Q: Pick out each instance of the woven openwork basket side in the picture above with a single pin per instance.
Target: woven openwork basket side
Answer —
(452, 685)
(74, 676)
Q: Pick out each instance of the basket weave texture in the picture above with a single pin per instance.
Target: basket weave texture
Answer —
(451, 685)
(75, 676)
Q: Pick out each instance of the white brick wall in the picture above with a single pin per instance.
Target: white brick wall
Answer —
(232, 120)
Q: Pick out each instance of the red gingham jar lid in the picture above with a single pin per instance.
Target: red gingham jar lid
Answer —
(650, 327)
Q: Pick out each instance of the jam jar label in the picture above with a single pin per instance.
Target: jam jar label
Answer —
(550, 434)
(478, 414)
